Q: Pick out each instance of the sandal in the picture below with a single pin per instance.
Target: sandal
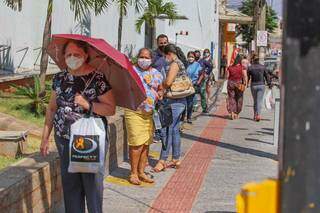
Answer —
(258, 118)
(175, 164)
(231, 116)
(161, 166)
(145, 178)
(134, 179)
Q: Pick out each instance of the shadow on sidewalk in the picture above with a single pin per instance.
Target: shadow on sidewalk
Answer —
(268, 129)
(250, 119)
(265, 133)
(231, 147)
(120, 173)
(258, 140)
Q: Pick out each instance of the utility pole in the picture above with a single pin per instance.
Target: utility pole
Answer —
(260, 12)
(300, 118)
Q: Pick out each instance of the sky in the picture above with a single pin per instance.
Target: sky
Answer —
(277, 5)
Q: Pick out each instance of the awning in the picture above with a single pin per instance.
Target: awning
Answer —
(236, 17)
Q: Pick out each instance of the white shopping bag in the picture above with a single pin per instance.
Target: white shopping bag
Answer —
(269, 101)
(224, 87)
(87, 146)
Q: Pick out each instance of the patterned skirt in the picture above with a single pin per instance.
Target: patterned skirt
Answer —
(235, 97)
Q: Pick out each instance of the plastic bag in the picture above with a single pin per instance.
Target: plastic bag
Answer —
(224, 87)
(87, 146)
(269, 100)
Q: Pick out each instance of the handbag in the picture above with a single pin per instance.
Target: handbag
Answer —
(180, 88)
(241, 87)
(165, 114)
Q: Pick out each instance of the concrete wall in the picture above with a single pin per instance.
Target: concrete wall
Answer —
(103, 26)
(24, 29)
(202, 25)
(34, 183)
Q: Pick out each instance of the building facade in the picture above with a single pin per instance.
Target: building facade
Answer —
(21, 34)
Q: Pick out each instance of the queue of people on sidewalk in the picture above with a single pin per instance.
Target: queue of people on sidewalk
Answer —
(165, 73)
(240, 75)
(80, 93)
(82, 96)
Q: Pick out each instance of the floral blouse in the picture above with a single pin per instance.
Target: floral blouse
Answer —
(91, 86)
(151, 81)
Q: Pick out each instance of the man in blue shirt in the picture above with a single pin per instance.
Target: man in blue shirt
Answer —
(159, 61)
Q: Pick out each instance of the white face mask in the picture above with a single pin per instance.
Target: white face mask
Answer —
(74, 62)
(144, 63)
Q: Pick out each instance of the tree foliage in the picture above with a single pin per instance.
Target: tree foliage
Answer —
(155, 9)
(248, 31)
(14, 4)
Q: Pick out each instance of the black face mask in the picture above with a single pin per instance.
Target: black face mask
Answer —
(161, 48)
(197, 58)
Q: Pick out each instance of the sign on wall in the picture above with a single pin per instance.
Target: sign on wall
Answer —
(262, 38)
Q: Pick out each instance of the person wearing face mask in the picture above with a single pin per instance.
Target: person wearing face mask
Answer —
(208, 64)
(159, 61)
(193, 70)
(197, 54)
(160, 64)
(75, 91)
(178, 105)
(204, 79)
(139, 124)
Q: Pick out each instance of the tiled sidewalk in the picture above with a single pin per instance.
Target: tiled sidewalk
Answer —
(219, 156)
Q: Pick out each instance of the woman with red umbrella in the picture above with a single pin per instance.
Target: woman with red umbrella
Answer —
(77, 89)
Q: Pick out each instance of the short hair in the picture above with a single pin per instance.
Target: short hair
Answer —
(162, 36)
(80, 44)
(191, 53)
(255, 58)
(197, 51)
(143, 49)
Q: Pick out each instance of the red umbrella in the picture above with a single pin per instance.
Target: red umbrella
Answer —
(126, 84)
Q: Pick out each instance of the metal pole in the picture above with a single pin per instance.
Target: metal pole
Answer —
(300, 115)
(176, 39)
(262, 27)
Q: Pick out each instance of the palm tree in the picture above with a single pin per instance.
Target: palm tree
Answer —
(157, 9)
(80, 9)
(123, 10)
(14, 4)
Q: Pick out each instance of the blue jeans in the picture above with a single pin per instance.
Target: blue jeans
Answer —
(257, 94)
(172, 133)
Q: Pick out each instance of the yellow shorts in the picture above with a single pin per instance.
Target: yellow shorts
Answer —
(140, 127)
